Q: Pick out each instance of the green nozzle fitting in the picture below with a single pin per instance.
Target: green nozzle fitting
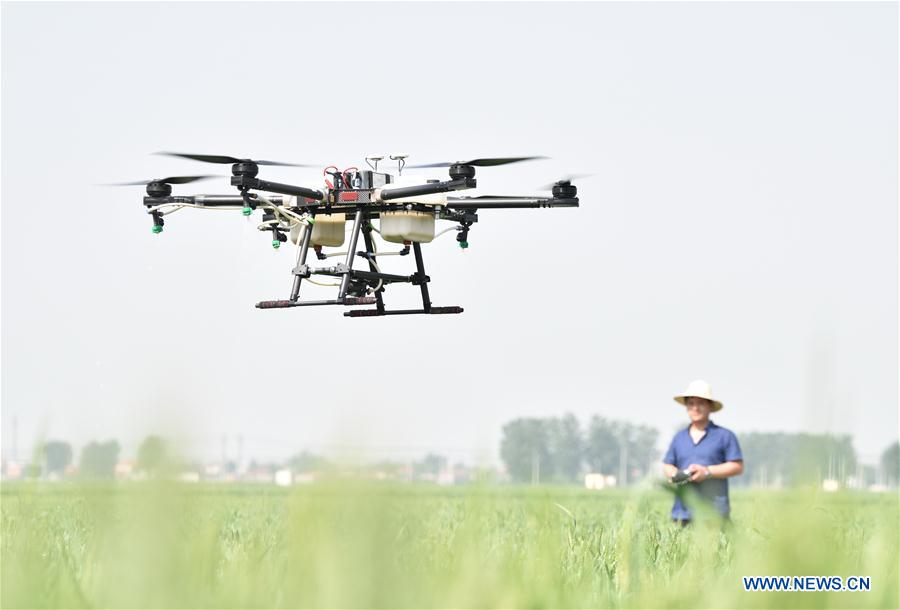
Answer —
(463, 244)
(247, 211)
(157, 229)
(276, 244)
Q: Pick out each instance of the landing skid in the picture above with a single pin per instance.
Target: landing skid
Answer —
(362, 313)
(286, 303)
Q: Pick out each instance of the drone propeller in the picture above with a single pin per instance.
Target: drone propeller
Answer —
(567, 179)
(226, 160)
(488, 162)
(169, 180)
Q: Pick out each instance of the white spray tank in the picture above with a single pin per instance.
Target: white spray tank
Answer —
(327, 230)
(410, 225)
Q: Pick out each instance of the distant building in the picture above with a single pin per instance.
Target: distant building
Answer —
(304, 478)
(124, 469)
(596, 480)
(13, 469)
(283, 477)
(259, 474)
(189, 476)
(446, 476)
(462, 474)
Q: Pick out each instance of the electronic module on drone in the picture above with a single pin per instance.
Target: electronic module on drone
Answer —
(406, 208)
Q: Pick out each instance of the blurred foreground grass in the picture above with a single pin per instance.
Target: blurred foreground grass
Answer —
(368, 545)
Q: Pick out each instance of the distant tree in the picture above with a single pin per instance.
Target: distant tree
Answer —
(768, 458)
(869, 475)
(98, 460)
(795, 459)
(57, 456)
(641, 449)
(152, 455)
(601, 449)
(432, 464)
(620, 448)
(524, 449)
(814, 457)
(306, 462)
(556, 449)
(890, 463)
(388, 469)
(565, 448)
(462, 473)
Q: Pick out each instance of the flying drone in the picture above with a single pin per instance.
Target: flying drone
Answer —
(406, 208)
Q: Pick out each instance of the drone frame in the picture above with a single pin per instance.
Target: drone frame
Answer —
(363, 205)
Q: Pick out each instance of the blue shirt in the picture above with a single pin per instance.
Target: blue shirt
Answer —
(718, 445)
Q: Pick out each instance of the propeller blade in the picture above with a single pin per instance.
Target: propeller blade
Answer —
(568, 178)
(138, 183)
(486, 162)
(185, 179)
(169, 180)
(490, 162)
(226, 160)
(285, 164)
(205, 158)
(421, 165)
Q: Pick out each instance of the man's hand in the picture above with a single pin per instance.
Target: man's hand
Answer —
(698, 472)
(669, 470)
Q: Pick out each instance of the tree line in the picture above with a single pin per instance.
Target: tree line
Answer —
(560, 450)
(553, 450)
(787, 459)
(98, 459)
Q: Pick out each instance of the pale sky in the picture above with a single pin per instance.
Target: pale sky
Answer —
(742, 227)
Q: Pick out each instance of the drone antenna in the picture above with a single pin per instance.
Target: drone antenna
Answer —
(401, 162)
(376, 159)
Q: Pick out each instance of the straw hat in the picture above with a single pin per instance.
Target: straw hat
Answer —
(699, 389)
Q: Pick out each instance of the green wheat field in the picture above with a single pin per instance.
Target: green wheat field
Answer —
(361, 544)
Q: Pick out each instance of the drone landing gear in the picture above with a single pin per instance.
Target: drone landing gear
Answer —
(355, 283)
(417, 279)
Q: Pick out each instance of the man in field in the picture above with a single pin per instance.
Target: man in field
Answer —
(708, 453)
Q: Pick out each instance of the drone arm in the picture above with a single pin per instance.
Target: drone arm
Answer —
(288, 189)
(486, 202)
(425, 189)
(248, 182)
(205, 201)
(215, 201)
